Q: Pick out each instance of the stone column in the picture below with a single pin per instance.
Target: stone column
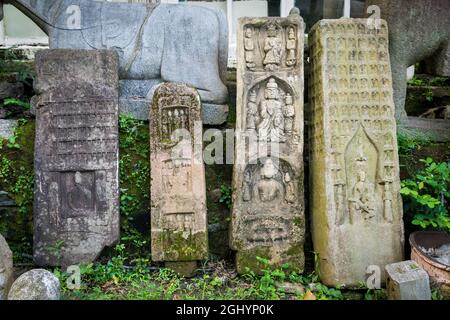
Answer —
(268, 212)
(178, 188)
(76, 204)
(355, 201)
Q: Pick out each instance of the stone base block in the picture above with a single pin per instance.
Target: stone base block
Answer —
(247, 260)
(183, 268)
(406, 280)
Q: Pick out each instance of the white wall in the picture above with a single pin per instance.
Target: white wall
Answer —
(19, 29)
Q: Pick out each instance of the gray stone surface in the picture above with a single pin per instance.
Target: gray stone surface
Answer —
(7, 127)
(166, 42)
(417, 30)
(178, 187)
(354, 179)
(214, 114)
(406, 280)
(315, 10)
(76, 205)
(268, 203)
(10, 90)
(5, 200)
(6, 268)
(137, 108)
(36, 284)
(434, 129)
(439, 63)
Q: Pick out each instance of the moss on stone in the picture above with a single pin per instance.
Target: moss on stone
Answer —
(181, 248)
(218, 213)
(246, 260)
(16, 178)
(134, 183)
(260, 258)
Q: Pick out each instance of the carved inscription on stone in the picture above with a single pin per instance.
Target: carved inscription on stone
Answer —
(268, 213)
(76, 155)
(354, 162)
(178, 191)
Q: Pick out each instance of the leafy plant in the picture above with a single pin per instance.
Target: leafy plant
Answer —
(11, 62)
(321, 291)
(16, 102)
(226, 196)
(407, 144)
(134, 176)
(265, 285)
(56, 249)
(375, 294)
(428, 95)
(417, 82)
(428, 195)
(436, 295)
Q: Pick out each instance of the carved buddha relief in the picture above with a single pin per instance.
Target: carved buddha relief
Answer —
(271, 112)
(273, 47)
(270, 181)
(361, 169)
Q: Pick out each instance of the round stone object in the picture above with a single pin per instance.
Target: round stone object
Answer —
(36, 284)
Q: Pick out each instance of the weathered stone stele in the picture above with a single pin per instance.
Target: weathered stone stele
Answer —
(268, 212)
(76, 205)
(178, 188)
(406, 280)
(355, 201)
(6, 268)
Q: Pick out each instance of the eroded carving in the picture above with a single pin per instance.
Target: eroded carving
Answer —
(271, 112)
(273, 48)
(178, 192)
(354, 164)
(267, 213)
(76, 155)
(271, 45)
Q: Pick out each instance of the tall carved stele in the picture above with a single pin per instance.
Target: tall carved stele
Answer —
(76, 204)
(268, 206)
(178, 189)
(355, 201)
